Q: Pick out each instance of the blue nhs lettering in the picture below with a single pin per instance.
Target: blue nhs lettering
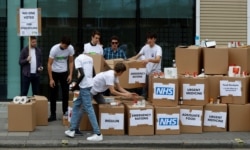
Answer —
(168, 121)
(164, 91)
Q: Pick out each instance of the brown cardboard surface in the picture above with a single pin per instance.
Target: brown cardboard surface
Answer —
(240, 57)
(239, 119)
(143, 129)
(215, 108)
(112, 110)
(111, 62)
(245, 91)
(214, 86)
(163, 101)
(215, 60)
(124, 78)
(188, 59)
(189, 128)
(195, 81)
(71, 96)
(167, 111)
(41, 110)
(22, 117)
(100, 64)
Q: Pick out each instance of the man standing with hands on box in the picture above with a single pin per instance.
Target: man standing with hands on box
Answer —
(31, 63)
(152, 54)
(60, 55)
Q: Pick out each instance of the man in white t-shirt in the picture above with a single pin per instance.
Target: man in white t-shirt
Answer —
(93, 47)
(84, 65)
(60, 55)
(151, 53)
(109, 80)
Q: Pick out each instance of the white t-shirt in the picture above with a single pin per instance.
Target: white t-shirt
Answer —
(33, 60)
(88, 48)
(151, 53)
(60, 63)
(103, 80)
(86, 63)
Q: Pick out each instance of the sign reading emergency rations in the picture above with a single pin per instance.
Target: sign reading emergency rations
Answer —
(29, 22)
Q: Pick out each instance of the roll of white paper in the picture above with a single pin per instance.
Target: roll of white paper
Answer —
(16, 99)
(24, 100)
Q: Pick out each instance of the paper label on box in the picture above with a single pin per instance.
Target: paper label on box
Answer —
(114, 121)
(191, 117)
(166, 121)
(164, 91)
(141, 117)
(230, 88)
(217, 119)
(170, 72)
(196, 92)
(137, 75)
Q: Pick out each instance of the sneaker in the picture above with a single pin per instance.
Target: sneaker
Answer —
(70, 133)
(78, 132)
(95, 138)
(52, 118)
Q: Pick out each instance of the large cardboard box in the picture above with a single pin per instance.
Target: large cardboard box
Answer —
(213, 57)
(239, 119)
(164, 92)
(240, 57)
(167, 120)
(111, 119)
(140, 121)
(100, 64)
(191, 118)
(194, 91)
(22, 117)
(111, 62)
(215, 118)
(214, 86)
(188, 59)
(234, 90)
(41, 110)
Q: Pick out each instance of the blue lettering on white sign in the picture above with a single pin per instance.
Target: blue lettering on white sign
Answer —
(168, 121)
(164, 91)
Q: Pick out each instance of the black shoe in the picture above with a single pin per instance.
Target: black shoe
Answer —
(52, 118)
(78, 132)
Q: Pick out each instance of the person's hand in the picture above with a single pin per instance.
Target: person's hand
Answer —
(145, 61)
(69, 79)
(40, 68)
(28, 58)
(52, 83)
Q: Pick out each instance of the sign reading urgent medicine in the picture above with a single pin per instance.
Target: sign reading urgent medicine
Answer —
(29, 22)
(164, 91)
(196, 91)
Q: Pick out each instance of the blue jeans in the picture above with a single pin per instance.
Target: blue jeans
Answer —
(84, 104)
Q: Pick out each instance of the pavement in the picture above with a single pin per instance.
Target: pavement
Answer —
(52, 136)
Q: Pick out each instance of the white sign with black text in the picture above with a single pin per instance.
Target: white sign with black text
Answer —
(217, 119)
(141, 117)
(114, 121)
(137, 75)
(28, 22)
(196, 92)
(230, 88)
(191, 117)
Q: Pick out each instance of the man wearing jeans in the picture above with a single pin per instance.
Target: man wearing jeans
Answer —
(60, 55)
(84, 65)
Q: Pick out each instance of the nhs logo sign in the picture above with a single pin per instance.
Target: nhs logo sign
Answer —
(164, 91)
(166, 121)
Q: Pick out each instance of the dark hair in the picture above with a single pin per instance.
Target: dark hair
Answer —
(32, 38)
(66, 40)
(119, 67)
(95, 33)
(151, 35)
(114, 38)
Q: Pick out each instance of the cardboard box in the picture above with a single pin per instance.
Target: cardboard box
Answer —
(191, 118)
(215, 118)
(71, 96)
(239, 119)
(167, 120)
(111, 119)
(234, 90)
(240, 57)
(164, 92)
(213, 57)
(22, 117)
(134, 76)
(188, 59)
(214, 86)
(41, 110)
(111, 62)
(194, 91)
(100, 64)
(140, 121)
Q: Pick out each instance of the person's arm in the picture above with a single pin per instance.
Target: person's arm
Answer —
(136, 56)
(49, 67)
(117, 93)
(71, 65)
(22, 58)
(79, 79)
(121, 89)
(156, 60)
